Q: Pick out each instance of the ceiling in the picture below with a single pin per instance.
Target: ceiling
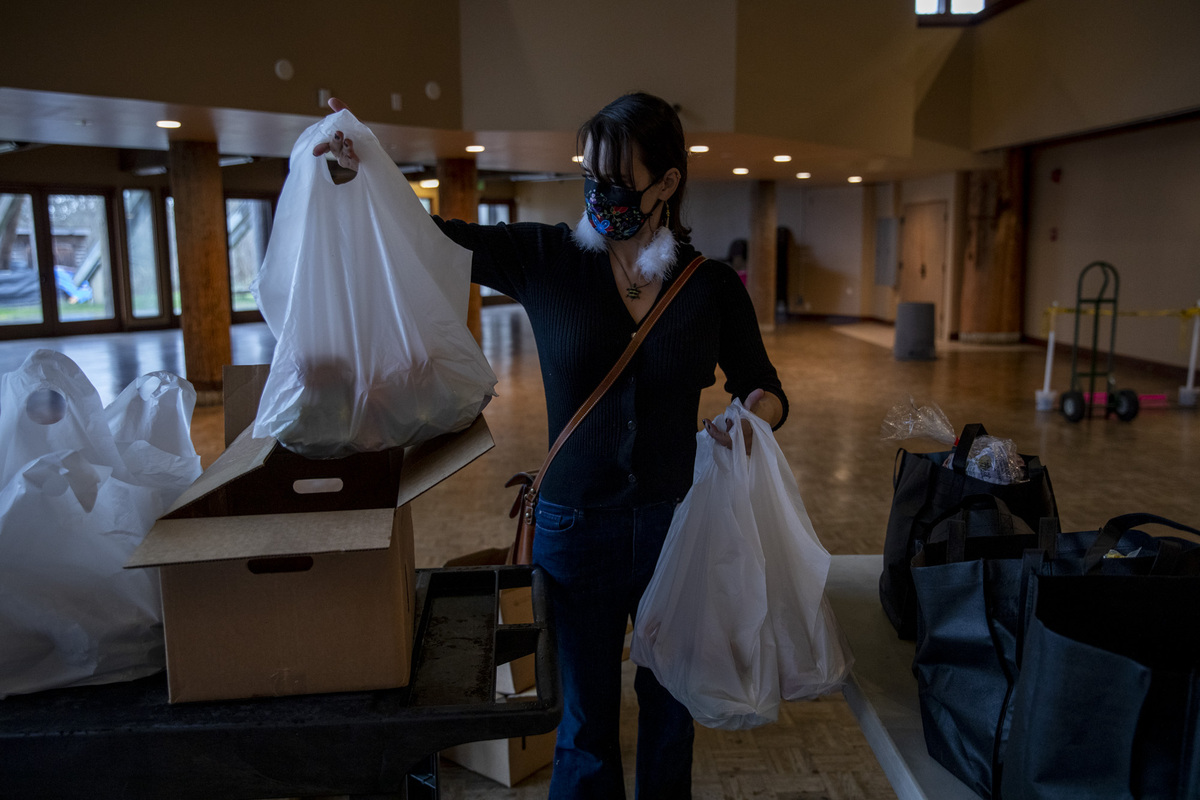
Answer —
(39, 117)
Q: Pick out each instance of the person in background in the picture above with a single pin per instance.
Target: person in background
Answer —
(606, 502)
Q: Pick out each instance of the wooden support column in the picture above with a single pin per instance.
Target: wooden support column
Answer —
(201, 244)
(458, 198)
(761, 261)
(994, 253)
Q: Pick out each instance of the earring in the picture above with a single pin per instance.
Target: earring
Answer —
(667, 217)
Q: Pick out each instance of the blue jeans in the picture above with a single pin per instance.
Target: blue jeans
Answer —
(599, 562)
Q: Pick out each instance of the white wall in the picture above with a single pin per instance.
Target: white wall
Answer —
(718, 213)
(882, 300)
(551, 64)
(827, 225)
(827, 230)
(1051, 68)
(831, 228)
(1130, 199)
(550, 202)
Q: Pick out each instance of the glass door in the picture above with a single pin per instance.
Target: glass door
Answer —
(20, 279)
(145, 287)
(248, 228)
(82, 267)
(56, 274)
(248, 221)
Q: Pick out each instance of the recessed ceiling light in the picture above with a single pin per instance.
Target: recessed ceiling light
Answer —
(577, 159)
(168, 123)
(803, 175)
(855, 179)
(698, 148)
(474, 148)
(783, 159)
(432, 183)
(741, 171)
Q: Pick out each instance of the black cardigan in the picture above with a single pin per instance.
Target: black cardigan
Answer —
(638, 444)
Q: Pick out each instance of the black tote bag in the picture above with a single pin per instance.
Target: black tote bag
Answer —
(924, 492)
(969, 582)
(974, 603)
(1107, 704)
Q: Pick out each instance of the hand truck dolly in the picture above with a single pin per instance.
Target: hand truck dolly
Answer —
(1074, 403)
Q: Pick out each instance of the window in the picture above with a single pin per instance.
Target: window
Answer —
(82, 269)
(249, 226)
(949, 6)
(173, 255)
(491, 213)
(20, 287)
(143, 256)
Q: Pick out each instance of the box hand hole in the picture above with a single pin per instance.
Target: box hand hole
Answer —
(267, 566)
(317, 485)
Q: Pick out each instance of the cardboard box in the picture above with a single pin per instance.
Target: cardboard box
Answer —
(283, 575)
(506, 761)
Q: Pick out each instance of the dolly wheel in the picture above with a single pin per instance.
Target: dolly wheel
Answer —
(1127, 405)
(1072, 405)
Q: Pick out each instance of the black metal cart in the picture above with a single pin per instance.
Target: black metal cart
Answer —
(124, 740)
(1074, 403)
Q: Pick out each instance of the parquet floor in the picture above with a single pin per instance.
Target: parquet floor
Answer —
(840, 387)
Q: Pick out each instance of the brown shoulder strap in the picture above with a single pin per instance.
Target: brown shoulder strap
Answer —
(635, 342)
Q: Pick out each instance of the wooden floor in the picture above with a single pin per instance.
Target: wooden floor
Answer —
(840, 383)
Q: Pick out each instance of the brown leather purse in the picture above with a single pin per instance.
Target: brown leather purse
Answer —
(521, 551)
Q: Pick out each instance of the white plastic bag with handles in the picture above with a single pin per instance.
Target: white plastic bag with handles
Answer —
(735, 618)
(367, 300)
(80, 486)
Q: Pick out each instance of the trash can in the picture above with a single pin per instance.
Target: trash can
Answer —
(915, 326)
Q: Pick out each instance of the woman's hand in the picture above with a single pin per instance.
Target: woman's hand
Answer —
(759, 402)
(341, 147)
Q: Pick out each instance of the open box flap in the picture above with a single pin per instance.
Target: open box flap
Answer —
(192, 540)
(244, 455)
(259, 476)
(429, 463)
(425, 465)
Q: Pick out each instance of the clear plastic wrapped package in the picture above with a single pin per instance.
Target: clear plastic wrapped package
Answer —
(907, 420)
(990, 459)
(994, 460)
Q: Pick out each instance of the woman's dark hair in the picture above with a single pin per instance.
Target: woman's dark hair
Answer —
(644, 125)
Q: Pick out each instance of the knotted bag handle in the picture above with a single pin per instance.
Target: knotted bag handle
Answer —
(532, 481)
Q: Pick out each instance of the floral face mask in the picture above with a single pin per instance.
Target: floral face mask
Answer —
(614, 211)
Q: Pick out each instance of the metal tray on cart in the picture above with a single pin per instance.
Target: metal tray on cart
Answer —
(124, 740)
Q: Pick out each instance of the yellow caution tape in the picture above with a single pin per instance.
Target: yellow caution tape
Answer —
(1048, 314)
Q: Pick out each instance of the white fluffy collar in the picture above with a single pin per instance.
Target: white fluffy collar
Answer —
(654, 261)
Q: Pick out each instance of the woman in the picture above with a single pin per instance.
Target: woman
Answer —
(605, 504)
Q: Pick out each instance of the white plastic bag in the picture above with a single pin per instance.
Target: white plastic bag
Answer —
(93, 483)
(367, 300)
(735, 617)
